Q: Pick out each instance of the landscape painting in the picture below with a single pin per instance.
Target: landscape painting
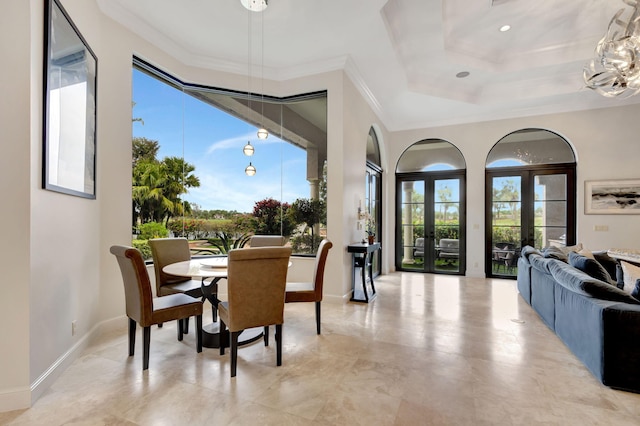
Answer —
(612, 197)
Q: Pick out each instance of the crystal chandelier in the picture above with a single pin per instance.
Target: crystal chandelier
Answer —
(615, 70)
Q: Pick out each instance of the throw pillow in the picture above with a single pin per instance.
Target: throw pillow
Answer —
(636, 290)
(630, 277)
(609, 263)
(590, 267)
(567, 249)
(586, 253)
(554, 253)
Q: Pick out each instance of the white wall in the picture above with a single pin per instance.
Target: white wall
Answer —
(606, 147)
(15, 134)
(65, 231)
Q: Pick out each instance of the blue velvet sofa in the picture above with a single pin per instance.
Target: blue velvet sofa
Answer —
(597, 321)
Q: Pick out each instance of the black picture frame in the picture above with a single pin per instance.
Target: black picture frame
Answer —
(70, 101)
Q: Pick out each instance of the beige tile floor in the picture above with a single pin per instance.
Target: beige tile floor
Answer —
(429, 350)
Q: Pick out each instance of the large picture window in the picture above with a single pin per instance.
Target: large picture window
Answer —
(190, 164)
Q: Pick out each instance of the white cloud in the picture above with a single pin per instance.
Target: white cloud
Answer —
(236, 141)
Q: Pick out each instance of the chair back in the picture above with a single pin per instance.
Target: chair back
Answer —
(166, 251)
(256, 286)
(318, 272)
(137, 286)
(267, 241)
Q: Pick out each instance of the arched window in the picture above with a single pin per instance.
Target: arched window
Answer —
(530, 197)
(430, 209)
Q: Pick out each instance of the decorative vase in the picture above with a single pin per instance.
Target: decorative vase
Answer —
(372, 239)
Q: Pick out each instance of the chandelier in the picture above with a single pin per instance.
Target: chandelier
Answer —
(615, 69)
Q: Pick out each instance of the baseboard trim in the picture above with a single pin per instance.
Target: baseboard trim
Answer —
(47, 378)
(15, 399)
(21, 398)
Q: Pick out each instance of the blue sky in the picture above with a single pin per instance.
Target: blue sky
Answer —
(212, 141)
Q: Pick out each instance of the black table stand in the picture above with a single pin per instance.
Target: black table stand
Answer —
(362, 258)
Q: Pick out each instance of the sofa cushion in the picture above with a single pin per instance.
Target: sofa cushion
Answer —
(591, 267)
(554, 253)
(581, 283)
(631, 278)
(528, 250)
(539, 262)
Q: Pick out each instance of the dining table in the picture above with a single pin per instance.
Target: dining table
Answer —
(210, 271)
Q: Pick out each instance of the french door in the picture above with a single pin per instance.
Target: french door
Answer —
(373, 205)
(533, 206)
(431, 223)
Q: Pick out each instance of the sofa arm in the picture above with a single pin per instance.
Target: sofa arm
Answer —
(621, 347)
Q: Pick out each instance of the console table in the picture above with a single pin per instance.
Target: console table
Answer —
(362, 258)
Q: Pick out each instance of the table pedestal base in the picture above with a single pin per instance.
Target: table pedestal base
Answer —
(211, 336)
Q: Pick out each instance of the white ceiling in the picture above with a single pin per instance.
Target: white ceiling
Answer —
(403, 55)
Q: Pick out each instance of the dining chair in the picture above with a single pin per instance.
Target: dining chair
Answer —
(255, 289)
(144, 309)
(267, 241)
(166, 251)
(311, 291)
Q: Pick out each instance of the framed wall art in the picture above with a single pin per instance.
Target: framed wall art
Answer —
(612, 196)
(69, 128)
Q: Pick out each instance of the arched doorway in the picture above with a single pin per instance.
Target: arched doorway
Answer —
(431, 208)
(530, 197)
(373, 193)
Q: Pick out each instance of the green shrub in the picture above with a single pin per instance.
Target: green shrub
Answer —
(143, 246)
(152, 230)
(302, 243)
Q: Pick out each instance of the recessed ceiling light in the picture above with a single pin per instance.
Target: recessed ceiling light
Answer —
(505, 28)
(463, 74)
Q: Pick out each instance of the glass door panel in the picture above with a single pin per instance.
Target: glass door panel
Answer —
(446, 224)
(373, 202)
(412, 225)
(550, 223)
(506, 224)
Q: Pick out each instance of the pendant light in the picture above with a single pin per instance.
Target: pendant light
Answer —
(250, 170)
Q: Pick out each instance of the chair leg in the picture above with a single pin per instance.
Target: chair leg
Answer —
(199, 333)
(266, 335)
(234, 351)
(132, 336)
(278, 344)
(223, 328)
(318, 317)
(185, 329)
(145, 349)
(180, 333)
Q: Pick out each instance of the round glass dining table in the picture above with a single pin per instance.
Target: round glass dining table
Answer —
(210, 271)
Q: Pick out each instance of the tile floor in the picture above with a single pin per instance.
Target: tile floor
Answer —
(430, 350)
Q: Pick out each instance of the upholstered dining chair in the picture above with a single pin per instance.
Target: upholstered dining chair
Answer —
(144, 309)
(267, 241)
(166, 251)
(255, 286)
(311, 291)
